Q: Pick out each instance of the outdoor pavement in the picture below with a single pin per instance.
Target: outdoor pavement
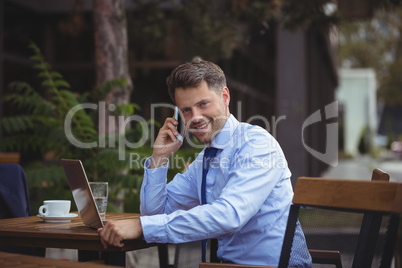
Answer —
(361, 167)
(358, 168)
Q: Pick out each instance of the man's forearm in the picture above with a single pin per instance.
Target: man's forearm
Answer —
(153, 189)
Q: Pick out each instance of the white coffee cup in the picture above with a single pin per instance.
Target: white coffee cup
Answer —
(55, 208)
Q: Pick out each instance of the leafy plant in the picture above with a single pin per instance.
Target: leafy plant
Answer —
(37, 127)
(314, 14)
(376, 43)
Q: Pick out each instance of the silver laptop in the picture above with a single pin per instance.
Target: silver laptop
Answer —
(77, 179)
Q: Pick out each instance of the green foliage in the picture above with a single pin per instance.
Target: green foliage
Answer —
(214, 29)
(312, 14)
(148, 27)
(104, 88)
(37, 127)
(369, 43)
(376, 43)
(126, 109)
(188, 28)
(210, 31)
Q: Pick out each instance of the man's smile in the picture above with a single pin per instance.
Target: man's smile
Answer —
(200, 126)
(200, 129)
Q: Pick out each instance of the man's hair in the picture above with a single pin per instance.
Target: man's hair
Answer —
(192, 74)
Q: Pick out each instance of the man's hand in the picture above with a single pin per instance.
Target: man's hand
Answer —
(114, 232)
(165, 144)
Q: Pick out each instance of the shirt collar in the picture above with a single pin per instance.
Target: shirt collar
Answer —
(223, 139)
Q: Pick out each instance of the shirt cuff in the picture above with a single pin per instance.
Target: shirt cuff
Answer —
(153, 228)
(158, 174)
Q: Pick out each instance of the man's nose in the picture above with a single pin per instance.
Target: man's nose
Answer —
(196, 116)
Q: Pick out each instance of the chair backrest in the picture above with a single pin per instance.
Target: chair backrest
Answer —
(350, 197)
(14, 202)
(9, 158)
(188, 254)
(14, 197)
(370, 227)
(379, 175)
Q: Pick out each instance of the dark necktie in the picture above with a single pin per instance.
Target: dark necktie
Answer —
(208, 155)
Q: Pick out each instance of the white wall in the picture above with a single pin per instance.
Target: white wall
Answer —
(357, 93)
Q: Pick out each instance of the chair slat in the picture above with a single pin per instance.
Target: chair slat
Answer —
(349, 194)
(379, 175)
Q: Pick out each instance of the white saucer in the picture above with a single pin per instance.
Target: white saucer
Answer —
(56, 219)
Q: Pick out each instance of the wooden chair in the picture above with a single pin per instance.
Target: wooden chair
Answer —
(14, 201)
(371, 199)
(379, 175)
(9, 158)
(334, 256)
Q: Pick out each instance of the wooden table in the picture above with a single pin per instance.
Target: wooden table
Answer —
(34, 232)
(26, 261)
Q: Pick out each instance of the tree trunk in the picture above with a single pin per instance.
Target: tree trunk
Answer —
(111, 56)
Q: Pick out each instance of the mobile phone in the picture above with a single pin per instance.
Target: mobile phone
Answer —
(180, 126)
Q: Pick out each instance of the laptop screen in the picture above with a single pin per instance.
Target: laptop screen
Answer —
(77, 179)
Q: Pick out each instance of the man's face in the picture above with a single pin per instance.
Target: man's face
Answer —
(204, 111)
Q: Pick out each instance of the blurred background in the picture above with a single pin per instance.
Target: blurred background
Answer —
(285, 61)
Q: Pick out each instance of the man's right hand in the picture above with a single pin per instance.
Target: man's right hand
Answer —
(165, 144)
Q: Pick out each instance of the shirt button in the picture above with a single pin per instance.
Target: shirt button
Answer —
(209, 190)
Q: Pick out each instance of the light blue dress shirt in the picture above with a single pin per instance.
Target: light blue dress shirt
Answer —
(248, 193)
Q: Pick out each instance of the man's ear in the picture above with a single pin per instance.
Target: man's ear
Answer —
(225, 96)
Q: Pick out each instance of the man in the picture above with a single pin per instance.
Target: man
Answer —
(247, 195)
